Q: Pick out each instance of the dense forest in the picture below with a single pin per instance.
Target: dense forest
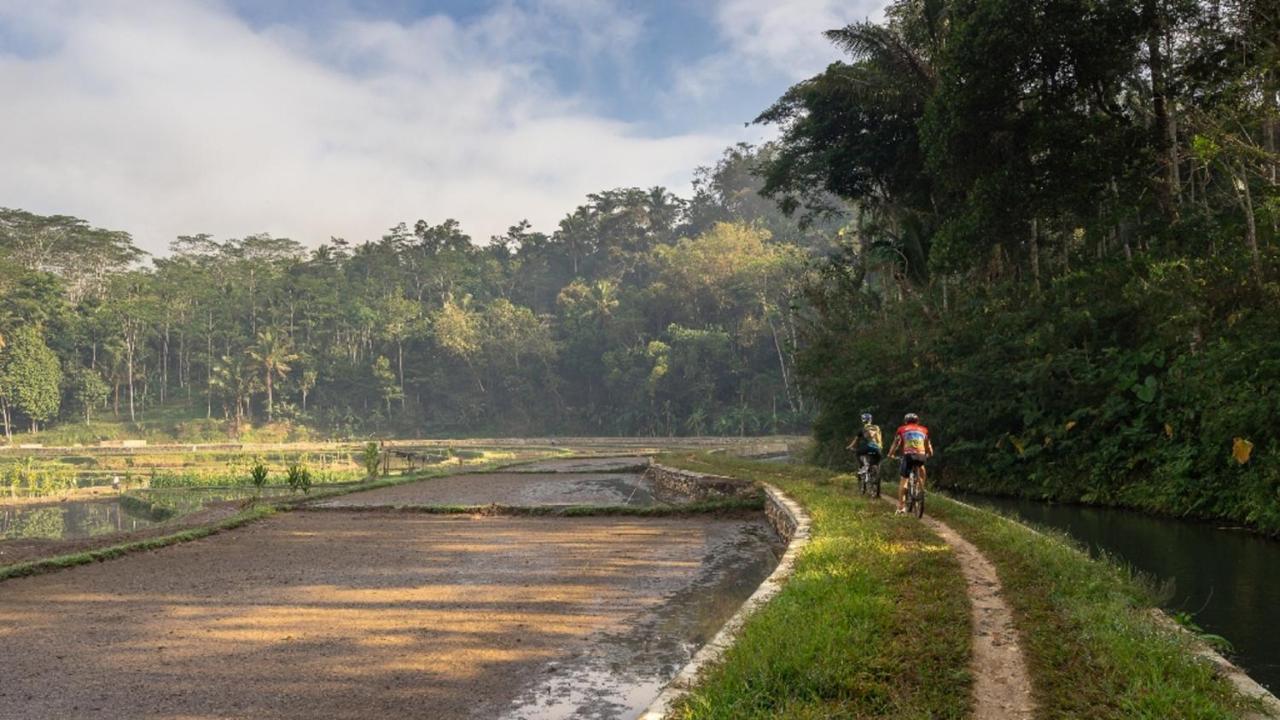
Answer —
(643, 313)
(1065, 260)
(1048, 226)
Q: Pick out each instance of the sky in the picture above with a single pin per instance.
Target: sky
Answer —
(313, 119)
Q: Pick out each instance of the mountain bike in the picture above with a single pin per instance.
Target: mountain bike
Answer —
(868, 477)
(915, 493)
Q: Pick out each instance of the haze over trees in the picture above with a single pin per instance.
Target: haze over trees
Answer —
(643, 313)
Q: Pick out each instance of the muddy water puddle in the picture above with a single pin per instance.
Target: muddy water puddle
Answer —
(618, 673)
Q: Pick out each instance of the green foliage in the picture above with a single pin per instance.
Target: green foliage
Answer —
(1099, 390)
(424, 331)
(87, 390)
(258, 475)
(30, 376)
(298, 478)
(33, 478)
(1087, 185)
(371, 459)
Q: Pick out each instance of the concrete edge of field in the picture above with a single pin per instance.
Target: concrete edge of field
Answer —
(792, 523)
(1239, 679)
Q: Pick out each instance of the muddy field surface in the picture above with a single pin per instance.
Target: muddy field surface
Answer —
(586, 464)
(344, 615)
(517, 489)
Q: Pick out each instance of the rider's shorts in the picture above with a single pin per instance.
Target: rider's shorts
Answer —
(872, 452)
(909, 461)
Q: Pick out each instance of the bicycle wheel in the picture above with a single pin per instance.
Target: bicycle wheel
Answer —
(875, 484)
(919, 492)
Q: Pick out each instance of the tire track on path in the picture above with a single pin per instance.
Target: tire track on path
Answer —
(1001, 682)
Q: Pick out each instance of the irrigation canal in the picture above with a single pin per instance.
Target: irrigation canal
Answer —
(1227, 580)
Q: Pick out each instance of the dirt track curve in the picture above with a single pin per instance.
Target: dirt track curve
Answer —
(1001, 683)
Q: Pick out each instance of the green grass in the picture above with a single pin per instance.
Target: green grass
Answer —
(874, 622)
(1092, 646)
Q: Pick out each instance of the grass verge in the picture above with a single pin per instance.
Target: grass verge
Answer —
(874, 622)
(1092, 647)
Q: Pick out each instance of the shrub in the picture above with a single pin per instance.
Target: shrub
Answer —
(258, 476)
(299, 478)
(371, 458)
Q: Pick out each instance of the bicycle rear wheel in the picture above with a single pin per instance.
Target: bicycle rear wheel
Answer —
(918, 487)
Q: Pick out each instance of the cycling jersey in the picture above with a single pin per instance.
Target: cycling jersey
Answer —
(914, 438)
(869, 440)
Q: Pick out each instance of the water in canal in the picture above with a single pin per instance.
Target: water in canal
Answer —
(1228, 580)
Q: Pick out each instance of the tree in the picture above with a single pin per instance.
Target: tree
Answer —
(401, 320)
(88, 390)
(385, 379)
(272, 354)
(132, 309)
(234, 381)
(30, 377)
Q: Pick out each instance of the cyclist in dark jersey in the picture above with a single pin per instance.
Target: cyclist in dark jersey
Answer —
(913, 439)
(867, 442)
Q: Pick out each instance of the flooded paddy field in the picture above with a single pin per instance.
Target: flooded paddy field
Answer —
(70, 520)
(351, 615)
(511, 488)
(612, 464)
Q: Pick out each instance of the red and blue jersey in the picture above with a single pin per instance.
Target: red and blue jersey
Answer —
(914, 438)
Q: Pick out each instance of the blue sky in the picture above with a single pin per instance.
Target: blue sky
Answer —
(314, 118)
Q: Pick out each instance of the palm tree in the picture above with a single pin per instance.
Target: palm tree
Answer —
(272, 355)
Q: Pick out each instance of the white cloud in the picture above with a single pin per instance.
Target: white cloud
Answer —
(165, 118)
(774, 39)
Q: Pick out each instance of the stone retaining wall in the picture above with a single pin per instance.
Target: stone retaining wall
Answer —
(675, 485)
(792, 524)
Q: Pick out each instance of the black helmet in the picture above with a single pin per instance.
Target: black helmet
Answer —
(911, 418)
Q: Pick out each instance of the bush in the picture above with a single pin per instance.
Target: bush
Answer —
(258, 476)
(299, 478)
(371, 459)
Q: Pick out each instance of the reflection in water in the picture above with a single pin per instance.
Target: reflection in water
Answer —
(1226, 579)
(68, 520)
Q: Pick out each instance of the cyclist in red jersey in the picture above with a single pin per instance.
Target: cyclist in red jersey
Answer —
(913, 440)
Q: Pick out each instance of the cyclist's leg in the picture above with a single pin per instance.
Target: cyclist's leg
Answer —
(904, 472)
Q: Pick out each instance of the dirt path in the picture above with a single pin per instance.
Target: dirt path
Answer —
(1001, 682)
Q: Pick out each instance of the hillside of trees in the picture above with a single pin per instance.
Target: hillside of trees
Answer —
(1064, 254)
(643, 313)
